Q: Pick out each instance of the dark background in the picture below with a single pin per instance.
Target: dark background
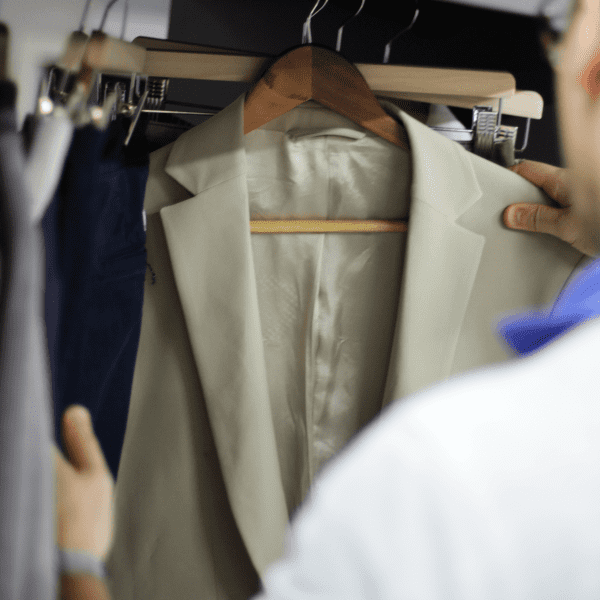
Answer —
(444, 35)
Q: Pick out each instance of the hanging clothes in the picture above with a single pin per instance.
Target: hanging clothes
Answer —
(475, 513)
(96, 264)
(161, 131)
(261, 356)
(28, 562)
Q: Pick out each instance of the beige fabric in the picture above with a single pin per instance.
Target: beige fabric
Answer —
(260, 355)
(327, 303)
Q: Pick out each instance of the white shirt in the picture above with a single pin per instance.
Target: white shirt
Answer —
(486, 486)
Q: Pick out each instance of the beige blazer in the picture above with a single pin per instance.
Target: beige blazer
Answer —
(200, 506)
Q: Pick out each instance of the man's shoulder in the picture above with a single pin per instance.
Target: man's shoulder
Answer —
(505, 417)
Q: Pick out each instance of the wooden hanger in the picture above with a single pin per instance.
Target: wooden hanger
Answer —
(461, 88)
(73, 53)
(312, 72)
(178, 59)
(105, 54)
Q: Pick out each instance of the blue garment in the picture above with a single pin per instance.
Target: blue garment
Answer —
(578, 301)
(96, 264)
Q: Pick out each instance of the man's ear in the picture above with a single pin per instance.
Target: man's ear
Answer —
(589, 78)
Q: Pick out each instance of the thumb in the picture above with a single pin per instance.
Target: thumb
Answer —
(81, 443)
(535, 217)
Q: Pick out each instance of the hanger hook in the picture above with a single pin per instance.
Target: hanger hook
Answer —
(84, 16)
(110, 5)
(338, 46)
(306, 32)
(388, 46)
(125, 14)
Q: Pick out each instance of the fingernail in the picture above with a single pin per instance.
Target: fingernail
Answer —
(517, 217)
(80, 414)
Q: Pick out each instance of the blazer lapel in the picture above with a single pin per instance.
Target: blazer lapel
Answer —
(441, 261)
(208, 239)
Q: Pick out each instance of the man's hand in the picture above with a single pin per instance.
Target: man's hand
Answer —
(560, 222)
(84, 488)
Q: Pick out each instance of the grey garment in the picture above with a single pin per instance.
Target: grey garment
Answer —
(28, 561)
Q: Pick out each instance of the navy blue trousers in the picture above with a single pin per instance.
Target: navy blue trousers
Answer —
(96, 264)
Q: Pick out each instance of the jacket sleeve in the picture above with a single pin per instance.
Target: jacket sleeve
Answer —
(82, 587)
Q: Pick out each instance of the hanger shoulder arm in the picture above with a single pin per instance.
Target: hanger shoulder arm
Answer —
(108, 54)
(165, 58)
(445, 82)
(381, 78)
(523, 103)
(208, 66)
(73, 52)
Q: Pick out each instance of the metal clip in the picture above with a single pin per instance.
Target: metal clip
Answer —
(136, 116)
(527, 127)
(488, 137)
(484, 131)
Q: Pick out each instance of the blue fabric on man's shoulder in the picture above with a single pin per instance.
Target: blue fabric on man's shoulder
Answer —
(578, 302)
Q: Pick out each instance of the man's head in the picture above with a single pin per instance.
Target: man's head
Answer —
(576, 62)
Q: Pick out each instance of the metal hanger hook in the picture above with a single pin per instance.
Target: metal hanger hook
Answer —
(306, 32)
(84, 16)
(338, 46)
(388, 46)
(125, 11)
(125, 15)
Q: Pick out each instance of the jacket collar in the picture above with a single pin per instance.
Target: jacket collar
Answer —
(443, 175)
(433, 184)
(198, 165)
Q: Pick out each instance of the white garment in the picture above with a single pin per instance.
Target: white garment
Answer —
(46, 159)
(486, 486)
(28, 563)
(441, 116)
